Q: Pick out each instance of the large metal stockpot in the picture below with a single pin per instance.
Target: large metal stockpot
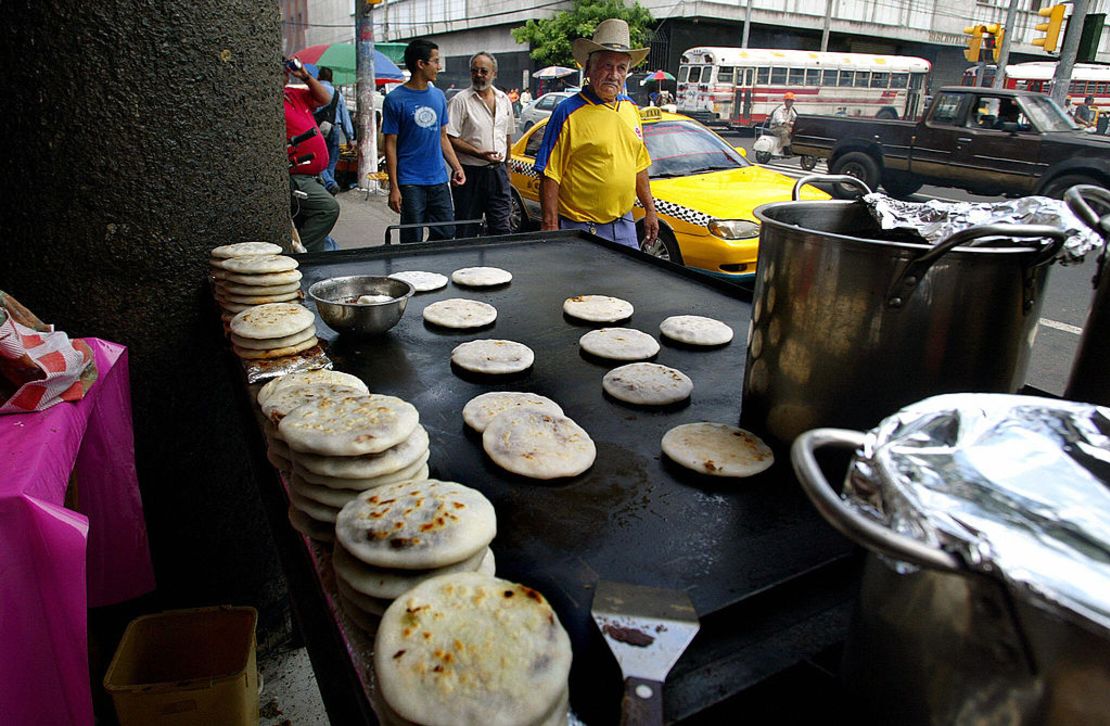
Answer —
(850, 321)
(985, 596)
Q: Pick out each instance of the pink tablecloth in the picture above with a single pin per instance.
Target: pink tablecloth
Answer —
(55, 562)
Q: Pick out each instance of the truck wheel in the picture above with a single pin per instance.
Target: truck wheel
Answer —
(1055, 188)
(857, 164)
(809, 162)
(886, 112)
(900, 185)
(762, 157)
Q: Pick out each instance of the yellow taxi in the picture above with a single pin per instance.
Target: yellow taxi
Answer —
(705, 193)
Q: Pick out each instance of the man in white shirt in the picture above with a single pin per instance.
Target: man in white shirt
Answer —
(782, 121)
(480, 126)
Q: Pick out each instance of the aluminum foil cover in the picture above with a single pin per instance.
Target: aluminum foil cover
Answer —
(1018, 486)
(936, 220)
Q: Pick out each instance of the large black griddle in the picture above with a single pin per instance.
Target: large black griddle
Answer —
(634, 516)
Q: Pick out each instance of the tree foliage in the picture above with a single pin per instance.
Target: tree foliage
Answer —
(550, 39)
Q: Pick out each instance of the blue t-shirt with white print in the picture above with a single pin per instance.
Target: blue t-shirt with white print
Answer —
(416, 117)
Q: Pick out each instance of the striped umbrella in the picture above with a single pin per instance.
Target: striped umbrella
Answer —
(340, 57)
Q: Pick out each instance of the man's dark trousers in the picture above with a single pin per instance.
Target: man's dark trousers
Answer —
(486, 192)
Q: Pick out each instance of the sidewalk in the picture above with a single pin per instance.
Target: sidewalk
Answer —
(362, 221)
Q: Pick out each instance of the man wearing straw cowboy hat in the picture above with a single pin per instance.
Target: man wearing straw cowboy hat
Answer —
(593, 161)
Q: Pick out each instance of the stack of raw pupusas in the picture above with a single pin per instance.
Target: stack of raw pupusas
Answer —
(467, 648)
(343, 442)
(277, 399)
(252, 273)
(390, 539)
(273, 330)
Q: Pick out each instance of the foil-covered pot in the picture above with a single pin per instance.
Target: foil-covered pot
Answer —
(937, 220)
(987, 597)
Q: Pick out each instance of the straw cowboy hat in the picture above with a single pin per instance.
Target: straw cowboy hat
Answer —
(610, 35)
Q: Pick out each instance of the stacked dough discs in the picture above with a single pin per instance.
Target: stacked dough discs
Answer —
(392, 538)
(717, 449)
(253, 273)
(483, 408)
(272, 331)
(343, 443)
(472, 649)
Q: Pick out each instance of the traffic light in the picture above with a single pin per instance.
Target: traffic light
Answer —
(1051, 40)
(974, 35)
(995, 33)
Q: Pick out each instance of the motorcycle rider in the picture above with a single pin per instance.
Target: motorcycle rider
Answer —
(782, 122)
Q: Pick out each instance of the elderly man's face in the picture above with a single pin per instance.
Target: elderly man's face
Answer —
(608, 70)
(481, 73)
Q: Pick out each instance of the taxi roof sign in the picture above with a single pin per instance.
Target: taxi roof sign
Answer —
(651, 113)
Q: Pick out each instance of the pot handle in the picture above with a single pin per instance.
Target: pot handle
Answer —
(914, 272)
(829, 179)
(849, 522)
(1076, 197)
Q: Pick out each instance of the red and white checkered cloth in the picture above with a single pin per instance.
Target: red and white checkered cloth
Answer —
(45, 367)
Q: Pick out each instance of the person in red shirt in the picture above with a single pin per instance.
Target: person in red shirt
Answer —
(316, 213)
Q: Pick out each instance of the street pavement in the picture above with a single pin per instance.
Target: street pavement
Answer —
(362, 219)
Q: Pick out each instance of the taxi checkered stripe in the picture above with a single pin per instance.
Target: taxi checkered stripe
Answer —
(677, 211)
(523, 168)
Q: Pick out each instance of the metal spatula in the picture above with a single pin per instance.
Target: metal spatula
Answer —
(647, 629)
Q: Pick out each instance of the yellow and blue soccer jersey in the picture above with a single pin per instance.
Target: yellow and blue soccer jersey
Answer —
(594, 150)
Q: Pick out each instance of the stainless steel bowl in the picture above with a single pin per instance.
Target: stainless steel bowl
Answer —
(336, 300)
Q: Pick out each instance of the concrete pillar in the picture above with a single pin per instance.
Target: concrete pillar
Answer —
(139, 136)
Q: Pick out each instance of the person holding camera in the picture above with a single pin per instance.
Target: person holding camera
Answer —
(307, 151)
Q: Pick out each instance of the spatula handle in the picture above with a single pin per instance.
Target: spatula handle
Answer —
(643, 702)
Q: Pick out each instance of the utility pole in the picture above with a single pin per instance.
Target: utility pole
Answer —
(747, 24)
(1004, 55)
(828, 21)
(364, 73)
(1072, 36)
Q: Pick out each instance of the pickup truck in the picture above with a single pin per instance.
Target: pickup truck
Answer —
(982, 140)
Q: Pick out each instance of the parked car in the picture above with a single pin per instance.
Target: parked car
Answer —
(705, 193)
(541, 108)
(981, 140)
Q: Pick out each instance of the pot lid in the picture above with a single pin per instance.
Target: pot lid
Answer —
(1016, 486)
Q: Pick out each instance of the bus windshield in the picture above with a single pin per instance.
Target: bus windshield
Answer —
(679, 148)
(1046, 114)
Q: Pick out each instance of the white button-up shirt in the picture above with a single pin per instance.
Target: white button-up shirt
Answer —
(470, 119)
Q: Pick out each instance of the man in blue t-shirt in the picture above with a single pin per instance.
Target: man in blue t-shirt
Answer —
(414, 122)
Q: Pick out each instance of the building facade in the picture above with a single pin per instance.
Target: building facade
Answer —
(932, 29)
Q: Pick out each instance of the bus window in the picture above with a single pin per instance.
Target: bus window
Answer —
(778, 76)
(863, 79)
(695, 74)
(899, 80)
(847, 78)
(725, 74)
(828, 78)
(1102, 88)
(797, 76)
(813, 77)
(684, 74)
(744, 76)
(880, 80)
(917, 81)
(763, 76)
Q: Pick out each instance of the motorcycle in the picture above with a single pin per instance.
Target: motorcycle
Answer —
(769, 146)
